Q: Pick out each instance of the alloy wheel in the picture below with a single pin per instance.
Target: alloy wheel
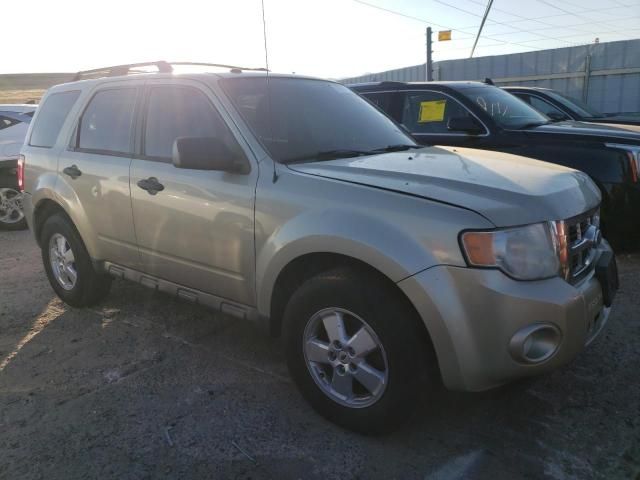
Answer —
(10, 206)
(63, 262)
(345, 358)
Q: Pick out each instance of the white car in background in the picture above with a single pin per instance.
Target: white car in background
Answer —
(14, 123)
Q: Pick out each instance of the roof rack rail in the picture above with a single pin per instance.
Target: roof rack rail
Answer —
(161, 65)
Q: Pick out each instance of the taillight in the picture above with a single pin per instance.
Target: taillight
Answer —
(20, 173)
(633, 155)
(633, 165)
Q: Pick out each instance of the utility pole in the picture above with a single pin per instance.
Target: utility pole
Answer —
(484, 19)
(429, 65)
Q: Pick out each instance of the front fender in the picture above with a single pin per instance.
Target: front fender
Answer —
(372, 240)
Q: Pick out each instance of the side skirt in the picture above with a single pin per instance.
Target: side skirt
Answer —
(220, 304)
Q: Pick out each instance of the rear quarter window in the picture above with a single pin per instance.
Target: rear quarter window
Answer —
(51, 117)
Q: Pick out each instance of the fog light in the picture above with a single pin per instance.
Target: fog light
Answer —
(535, 343)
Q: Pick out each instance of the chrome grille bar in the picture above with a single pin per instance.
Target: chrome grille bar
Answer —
(582, 237)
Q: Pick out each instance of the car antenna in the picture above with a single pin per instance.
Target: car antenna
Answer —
(266, 61)
(488, 81)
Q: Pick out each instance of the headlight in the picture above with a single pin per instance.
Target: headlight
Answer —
(524, 253)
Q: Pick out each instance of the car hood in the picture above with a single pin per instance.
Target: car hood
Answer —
(625, 119)
(624, 126)
(506, 189)
(597, 130)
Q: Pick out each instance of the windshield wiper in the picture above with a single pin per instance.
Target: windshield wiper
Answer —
(349, 153)
(328, 155)
(395, 148)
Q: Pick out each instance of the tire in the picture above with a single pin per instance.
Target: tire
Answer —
(367, 302)
(89, 287)
(11, 214)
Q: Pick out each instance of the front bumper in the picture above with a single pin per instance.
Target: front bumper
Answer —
(472, 316)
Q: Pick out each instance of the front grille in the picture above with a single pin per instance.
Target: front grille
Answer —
(583, 237)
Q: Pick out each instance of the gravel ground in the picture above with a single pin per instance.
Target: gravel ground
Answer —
(145, 386)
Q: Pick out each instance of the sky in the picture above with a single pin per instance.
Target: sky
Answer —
(326, 38)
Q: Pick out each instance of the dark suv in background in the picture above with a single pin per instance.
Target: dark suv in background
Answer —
(558, 106)
(478, 115)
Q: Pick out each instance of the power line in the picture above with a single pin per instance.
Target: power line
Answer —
(428, 22)
(520, 43)
(537, 19)
(535, 31)
(494, 22)
(500, 10)
(411, 17)
(570, 13)
(565, 27)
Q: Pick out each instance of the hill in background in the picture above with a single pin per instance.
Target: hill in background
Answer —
(24, 87)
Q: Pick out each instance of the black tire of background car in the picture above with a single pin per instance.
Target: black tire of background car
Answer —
(21, 225)
(91, 287)
(396, 324)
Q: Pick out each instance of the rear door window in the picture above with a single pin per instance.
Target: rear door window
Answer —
(51, 117)
(429, 112)
(174, 112)
(107, 122)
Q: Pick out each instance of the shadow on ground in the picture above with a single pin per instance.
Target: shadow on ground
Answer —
(145, 386)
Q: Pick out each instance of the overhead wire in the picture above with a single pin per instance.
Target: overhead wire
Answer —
(428, 22)
(521, 43)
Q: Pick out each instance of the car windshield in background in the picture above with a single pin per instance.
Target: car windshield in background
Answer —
(578, 106)
(312, 119)
(506, 110)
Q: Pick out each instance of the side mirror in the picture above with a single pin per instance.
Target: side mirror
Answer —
(557, 116)
(465, 124)
(207, 153)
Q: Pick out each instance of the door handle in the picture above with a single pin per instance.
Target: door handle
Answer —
(151, 185)
(73, 171)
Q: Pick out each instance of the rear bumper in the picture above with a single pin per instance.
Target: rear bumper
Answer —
(475, 317)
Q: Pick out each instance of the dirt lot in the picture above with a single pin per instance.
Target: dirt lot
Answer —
(148, 387)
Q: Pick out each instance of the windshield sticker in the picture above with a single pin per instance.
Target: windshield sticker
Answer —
(432, 111)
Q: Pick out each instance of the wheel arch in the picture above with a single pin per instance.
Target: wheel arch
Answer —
(63, 200)
(306, 266)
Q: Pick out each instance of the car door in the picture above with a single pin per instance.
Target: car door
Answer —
(96, 167)
(426, 114)
(197, 231)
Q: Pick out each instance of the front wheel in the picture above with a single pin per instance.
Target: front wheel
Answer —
(355, 349)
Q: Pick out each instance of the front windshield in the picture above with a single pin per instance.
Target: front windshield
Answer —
(305, 119)
(578, 106)
(507, 110)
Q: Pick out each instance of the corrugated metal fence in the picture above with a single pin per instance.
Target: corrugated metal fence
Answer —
(606, 75)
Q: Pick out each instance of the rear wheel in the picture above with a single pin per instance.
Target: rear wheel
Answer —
(11, 214)
(68, 265)
(355, 350)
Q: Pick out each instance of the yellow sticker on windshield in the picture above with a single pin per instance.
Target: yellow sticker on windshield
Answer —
(432, 111)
